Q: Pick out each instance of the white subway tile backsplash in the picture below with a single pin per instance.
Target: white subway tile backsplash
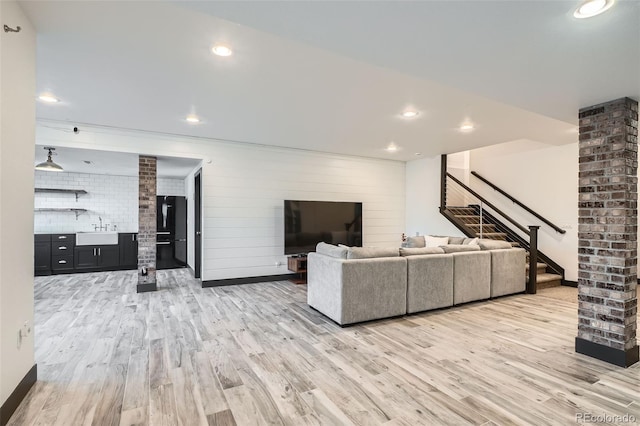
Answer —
(113, 198)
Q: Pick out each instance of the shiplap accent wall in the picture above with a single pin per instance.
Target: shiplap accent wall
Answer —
(244, 211)
(113, 198)
(244, 188)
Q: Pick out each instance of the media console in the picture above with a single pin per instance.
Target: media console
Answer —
(298, 264)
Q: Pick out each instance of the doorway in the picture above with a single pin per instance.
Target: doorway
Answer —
(197, 238)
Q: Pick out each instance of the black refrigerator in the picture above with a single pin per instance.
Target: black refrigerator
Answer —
(171, 238)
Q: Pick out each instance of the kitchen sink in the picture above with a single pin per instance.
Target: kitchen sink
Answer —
(96, 238)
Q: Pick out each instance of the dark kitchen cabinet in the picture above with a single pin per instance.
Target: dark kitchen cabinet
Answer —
(62, 264)
(109, 256)
(91, 257)
(58, 254)
(128, 245)
(42, 254)
(86, 257)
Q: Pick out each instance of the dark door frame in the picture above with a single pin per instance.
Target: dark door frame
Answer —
(197, 223)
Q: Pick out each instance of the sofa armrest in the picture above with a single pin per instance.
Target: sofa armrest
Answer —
(324, 285)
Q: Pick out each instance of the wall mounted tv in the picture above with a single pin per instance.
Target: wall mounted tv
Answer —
(306, 223)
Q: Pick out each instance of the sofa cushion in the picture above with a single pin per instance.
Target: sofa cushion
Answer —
(456, 248)
(414, 242)
(456, 240)
(470, 241)
(371, 252)
(420, 250)
(331, 250)
(431, 241)
(486, 244)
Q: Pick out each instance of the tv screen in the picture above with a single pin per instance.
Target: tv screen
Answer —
(306, 223)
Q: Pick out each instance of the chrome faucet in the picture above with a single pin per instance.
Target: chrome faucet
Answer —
(100, 228)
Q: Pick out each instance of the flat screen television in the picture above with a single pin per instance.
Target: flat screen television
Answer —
(306, 223)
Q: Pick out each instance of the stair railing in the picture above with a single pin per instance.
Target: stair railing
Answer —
(520, 204)
(456, 195)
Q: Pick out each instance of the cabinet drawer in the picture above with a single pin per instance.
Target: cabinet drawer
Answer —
(61, 249)
(66, 238)
(42, 238)
(59, 263)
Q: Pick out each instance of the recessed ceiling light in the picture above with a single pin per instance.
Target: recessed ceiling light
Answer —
(192, 118)
(590, 8)
(466, 127)
(221, 50)
(48, 98)
(392, 147)
(410, 113)
(418, 154)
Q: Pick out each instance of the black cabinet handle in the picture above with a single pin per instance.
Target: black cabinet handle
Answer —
(94, 251)
(62, 237)
(62, 262)
(62, 247)
(99, 252)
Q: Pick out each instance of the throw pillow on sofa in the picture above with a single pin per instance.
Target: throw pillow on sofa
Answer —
(457, 248)
(371, 252)
(331, 250)
(415, 242)
(456, 240)
(471, 241)
(430, 241)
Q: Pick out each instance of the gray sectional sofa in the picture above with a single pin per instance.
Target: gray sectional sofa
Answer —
(355, 284)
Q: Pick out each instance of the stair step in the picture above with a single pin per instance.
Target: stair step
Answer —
(549, 284)
(486, 228)
(468, 218)
(547, 280)
(493, 235)
(542, 267)
(462, 210)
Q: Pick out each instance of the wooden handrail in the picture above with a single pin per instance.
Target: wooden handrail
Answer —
(511, 198)
(484, 201)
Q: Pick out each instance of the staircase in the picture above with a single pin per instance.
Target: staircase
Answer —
(469, 217)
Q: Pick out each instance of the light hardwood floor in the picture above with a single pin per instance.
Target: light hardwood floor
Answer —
(257, 354)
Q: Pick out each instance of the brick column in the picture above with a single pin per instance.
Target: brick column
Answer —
(607, 232)
(146, 224)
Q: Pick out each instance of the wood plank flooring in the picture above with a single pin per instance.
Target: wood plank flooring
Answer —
(256, 354)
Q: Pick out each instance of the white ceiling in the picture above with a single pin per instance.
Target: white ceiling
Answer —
(72, 160)
(333, 76)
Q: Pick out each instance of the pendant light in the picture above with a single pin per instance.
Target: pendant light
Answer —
(49, 165)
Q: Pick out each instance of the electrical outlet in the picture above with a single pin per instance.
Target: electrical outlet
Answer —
(278, 264)
(26, 329)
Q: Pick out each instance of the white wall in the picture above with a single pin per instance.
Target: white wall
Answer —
(244, 187)
(112, 198)
(166, 186)
(543, 177)
(17, 116)
(423, 199)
